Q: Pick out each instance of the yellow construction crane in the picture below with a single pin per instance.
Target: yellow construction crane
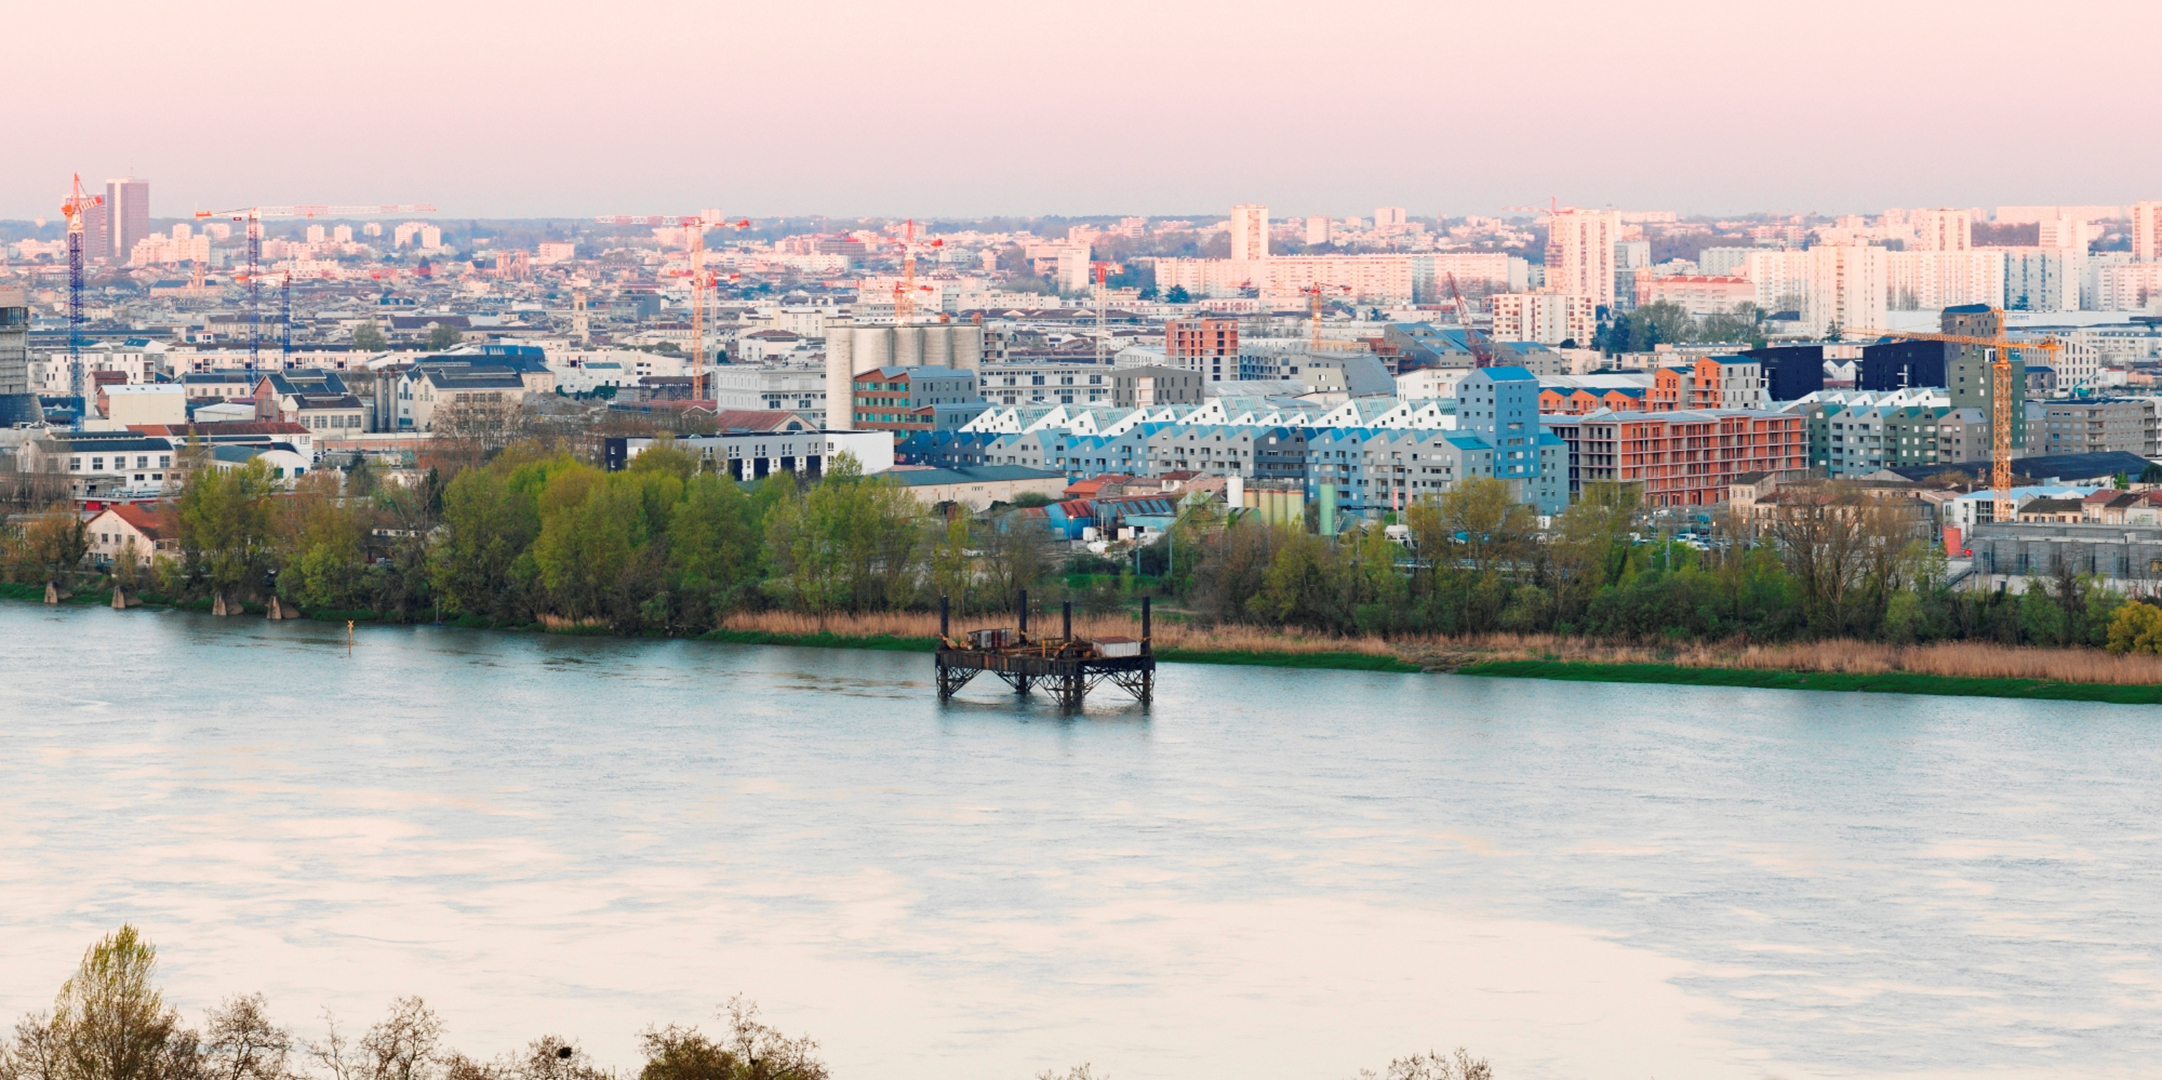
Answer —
(2000, 398)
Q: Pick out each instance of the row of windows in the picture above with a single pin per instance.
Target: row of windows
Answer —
(120, 461)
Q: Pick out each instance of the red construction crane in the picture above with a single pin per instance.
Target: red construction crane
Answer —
(72, 208)
(1481, 354)
(1314, 306)
(694, 227)
(253, 216)
(905, 290)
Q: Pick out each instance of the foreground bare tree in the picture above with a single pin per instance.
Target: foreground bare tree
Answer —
(1434, 1066)
(401, 1046)
(240, 1042)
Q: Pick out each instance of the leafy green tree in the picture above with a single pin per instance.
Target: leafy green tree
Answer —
(110, 1021)
(481, 562)
(953, 573)
(1233, 568)
(53, 545)
(363, 478)
(1590, 551)
(591, 529)
(227, 527)
(1740, 325)
(1178, 295)
(713, 549)
(442, 337)
(2137, 628)
(751, 1050)
(1661, 322)
(848, 543)
(1299, 587)
(367, 337)
(321, 540)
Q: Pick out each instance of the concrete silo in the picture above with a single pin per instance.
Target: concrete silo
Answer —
(852, 350)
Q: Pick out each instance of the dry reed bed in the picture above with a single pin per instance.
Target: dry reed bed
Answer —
(1167, 634)
(1967, 659)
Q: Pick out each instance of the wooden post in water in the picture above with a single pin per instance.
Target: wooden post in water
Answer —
(1068, 634)
(943, 633)
(1145, 649)
(1024, 611)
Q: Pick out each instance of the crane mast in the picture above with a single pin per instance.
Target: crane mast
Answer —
(253, 216)
(694, 229)
(72, 209)
(2000, 399)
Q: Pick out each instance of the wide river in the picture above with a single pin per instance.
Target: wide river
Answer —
(1269, 874)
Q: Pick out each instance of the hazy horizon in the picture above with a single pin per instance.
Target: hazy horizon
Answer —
(492, 110)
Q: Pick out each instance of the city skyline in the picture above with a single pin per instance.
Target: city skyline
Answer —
(978, 109)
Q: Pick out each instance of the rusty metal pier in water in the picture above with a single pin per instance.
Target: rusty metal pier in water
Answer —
(1065, 666)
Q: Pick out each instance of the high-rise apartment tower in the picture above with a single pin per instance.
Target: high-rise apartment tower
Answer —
(1580, 254)
(1249, 232)
(127, 216)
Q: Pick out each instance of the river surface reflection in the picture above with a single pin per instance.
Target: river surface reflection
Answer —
(1268, 874)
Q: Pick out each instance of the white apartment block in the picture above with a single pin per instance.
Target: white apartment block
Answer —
(1943, 230)
(1249, 232)
(1846, 288)
(1780, 277)
(1389, 219)
(2064, 232)
(1937, 279)
(742, 386)
(2135, 286)
(2043, 279)
(1317, 230)
(1724, 261)
(1580, 254)
(1698, 294)
(1547, 318)
(2147, 230)
(1400, 277)
(2079, 363)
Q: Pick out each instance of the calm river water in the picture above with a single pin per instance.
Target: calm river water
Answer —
(1269, 874)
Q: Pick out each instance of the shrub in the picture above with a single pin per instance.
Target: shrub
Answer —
(2136, 629)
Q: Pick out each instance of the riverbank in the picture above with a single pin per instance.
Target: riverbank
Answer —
(1956, 669)
(1898, 682)
(1173, 641)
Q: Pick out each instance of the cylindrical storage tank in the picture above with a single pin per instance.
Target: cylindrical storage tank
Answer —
(840, 374)
(907, 346)
(874, 348)
(938, 345)
(967, 347)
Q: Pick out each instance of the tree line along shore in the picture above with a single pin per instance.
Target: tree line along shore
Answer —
(537, 538)
(111, 1021)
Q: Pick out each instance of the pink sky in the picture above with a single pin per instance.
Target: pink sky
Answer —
(1007, 107)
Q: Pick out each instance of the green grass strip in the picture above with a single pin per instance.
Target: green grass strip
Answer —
(824, 639)
(1334, 661)
(1897, 682)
